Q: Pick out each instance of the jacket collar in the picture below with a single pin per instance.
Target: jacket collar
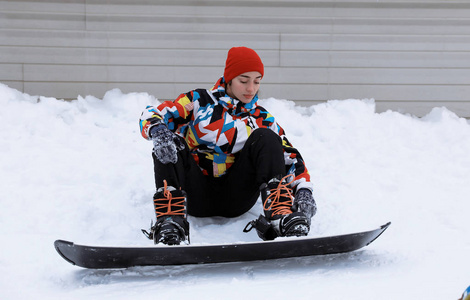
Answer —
(218, 90)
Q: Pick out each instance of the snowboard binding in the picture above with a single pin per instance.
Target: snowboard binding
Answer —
(295, 224)
(169, 231)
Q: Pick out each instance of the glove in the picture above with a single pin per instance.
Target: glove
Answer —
(304, 203)
(165, 144)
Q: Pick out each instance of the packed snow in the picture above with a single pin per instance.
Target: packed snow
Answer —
(80, 170)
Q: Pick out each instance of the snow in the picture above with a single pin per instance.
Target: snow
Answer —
(79, 170)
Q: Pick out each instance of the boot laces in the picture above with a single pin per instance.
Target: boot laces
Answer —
(276, 201)
(169, 205)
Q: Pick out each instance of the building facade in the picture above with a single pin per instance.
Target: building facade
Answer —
(409, 56)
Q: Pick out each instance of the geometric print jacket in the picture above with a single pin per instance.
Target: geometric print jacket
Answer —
(216, 127)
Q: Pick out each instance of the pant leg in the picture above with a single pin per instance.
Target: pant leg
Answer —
(261, 159)
(233, 194)
(187, 175)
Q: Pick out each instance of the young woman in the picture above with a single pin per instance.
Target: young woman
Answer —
(215, 150)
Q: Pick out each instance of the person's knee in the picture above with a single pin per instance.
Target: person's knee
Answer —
(265, 134)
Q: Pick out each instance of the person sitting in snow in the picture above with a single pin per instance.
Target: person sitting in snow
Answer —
(215, 150)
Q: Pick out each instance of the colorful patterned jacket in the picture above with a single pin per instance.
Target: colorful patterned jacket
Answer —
(215, 127)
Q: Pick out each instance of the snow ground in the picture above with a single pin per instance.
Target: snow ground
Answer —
(81, 171)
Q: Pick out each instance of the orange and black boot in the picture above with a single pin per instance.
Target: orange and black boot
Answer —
(171, 227)
(277, 200)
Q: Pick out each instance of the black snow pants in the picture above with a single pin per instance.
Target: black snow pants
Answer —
(234, 193)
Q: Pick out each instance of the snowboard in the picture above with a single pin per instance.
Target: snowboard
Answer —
(97, 257)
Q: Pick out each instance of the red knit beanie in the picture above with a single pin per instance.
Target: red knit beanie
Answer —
(241, 60)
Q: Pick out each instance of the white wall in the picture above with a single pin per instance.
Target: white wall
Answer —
(408, 55)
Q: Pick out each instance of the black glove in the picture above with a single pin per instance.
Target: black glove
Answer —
(304, 203)
(166, 144)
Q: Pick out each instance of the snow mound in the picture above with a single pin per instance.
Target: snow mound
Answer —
(79, 170)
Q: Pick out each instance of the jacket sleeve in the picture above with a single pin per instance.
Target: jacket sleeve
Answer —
(295, 165)
(294, 162)
(173, 113)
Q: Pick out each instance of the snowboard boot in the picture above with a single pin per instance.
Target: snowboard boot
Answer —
(171, 227)
(279, 219)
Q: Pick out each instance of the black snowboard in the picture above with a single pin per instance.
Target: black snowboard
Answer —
(124, 257)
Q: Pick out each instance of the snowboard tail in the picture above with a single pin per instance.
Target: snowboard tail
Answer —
(97, 257)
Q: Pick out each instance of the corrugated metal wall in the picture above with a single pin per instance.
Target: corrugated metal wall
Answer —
(408, 55)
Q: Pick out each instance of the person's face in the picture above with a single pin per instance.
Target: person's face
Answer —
(245, 86)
